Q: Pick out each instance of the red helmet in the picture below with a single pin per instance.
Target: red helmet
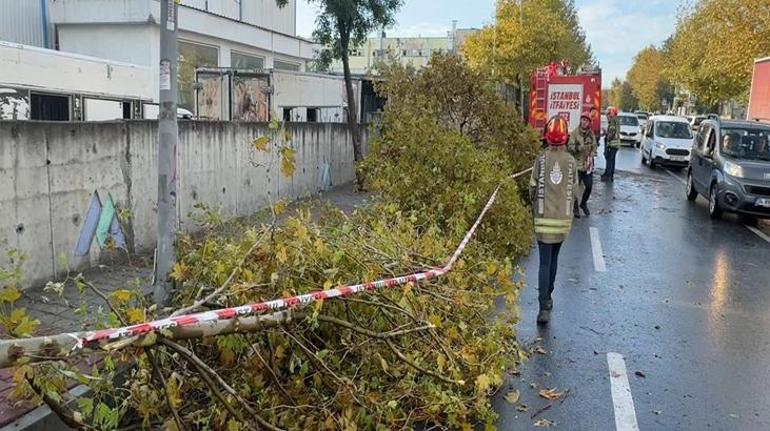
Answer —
(613, 111)
(557, 131)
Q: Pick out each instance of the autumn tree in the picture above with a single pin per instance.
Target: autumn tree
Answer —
(647, 79)
(341, 24)
(528, 34)
(622, 96)
(715, 43)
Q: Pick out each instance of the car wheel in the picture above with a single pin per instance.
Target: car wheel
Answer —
(692, 194)
(714, 210)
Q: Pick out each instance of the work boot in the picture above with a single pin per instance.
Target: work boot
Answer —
(584, 207)
(543, 317)
(604, 178)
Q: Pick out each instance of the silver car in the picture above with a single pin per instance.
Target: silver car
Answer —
(730, 165)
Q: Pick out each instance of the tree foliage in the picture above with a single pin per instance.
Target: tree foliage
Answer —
(341, 24)
(648, 81)
(418, 354)
(621, 96)
(715, 44)
(528, 34)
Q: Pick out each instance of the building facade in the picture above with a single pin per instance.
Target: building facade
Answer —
(243, 34)
(408, 51)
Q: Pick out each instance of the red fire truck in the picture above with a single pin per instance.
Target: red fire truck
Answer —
(557, 91)
(759, 98)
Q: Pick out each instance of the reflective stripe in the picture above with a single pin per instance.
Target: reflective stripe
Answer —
(552, 230)
(552, 222)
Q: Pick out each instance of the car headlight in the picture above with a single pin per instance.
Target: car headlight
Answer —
(733, 170)
(660, 146)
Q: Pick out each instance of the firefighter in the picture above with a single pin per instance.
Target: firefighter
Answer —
(552, 191)
(582, 145)
(611, 143)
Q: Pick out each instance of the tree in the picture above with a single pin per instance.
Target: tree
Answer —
(622, 96)
(528, 34)
(715, 43)
(340, 25)
(647, 79)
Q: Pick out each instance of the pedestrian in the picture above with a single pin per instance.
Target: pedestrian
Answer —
(552, 192)
(611, 143)
(583, 145)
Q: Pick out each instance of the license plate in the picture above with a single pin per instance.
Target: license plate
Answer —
(678, 158)
(763, 202)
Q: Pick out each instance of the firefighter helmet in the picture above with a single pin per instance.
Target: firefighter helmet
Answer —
(557, 131)
(612, 111)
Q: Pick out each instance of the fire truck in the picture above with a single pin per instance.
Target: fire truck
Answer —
(556, 90)
(759, 98)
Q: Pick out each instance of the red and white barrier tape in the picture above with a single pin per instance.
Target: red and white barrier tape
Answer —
(286, 303)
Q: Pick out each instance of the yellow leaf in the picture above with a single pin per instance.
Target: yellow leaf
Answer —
(26, 327)
(179, 271)
(122, 296)
(260, 144)
(441, 362)
(135, 315)
(287, 161)
(9, 294)
(435, 320)
(513, 397)
(328, 284)
(482, 383)
(280, 207)
(233, 425)
(281, 255)
(173, 388)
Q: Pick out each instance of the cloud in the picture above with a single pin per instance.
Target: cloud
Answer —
(618, 30)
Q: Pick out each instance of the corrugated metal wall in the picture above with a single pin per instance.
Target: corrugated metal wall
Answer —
(20, 22)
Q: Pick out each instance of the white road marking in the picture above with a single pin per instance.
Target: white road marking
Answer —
(759, 233)
(596, 247)
(678, 178)
(622, 401)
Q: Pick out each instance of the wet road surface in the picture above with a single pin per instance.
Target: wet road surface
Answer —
(681, 301)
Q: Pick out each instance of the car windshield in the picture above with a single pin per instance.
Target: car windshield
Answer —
(673, 130)
(641, 116)
(627, 120)
(746, 144)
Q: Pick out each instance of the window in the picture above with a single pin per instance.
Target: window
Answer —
(284, 65)
(673, 130)
(246, 62)
(711, 142)
(312, 115)
(192, 56)
(700, 139)
(745, 143)
(287, 115)
(403, 53)
(649, 130)
(50, 108)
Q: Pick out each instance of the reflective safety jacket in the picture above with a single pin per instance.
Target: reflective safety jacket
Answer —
(612, 139)
(552, 188)
(582, 145)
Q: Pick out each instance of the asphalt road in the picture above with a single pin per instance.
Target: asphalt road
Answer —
(650, 284)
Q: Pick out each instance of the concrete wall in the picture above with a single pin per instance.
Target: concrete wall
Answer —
(48, 172)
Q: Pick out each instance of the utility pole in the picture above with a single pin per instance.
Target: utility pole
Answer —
(168, 136)
(521, 78)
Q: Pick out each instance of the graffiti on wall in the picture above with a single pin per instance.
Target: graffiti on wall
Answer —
(101, 223)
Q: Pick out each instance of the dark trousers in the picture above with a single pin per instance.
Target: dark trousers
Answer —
(587, 179)
(549, 259)
(610, 155)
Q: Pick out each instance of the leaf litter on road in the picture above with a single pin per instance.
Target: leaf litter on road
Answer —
(550, 394)
(544, 423)
(513, 397)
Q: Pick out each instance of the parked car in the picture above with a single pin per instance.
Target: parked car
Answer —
(629, 129)
(643, 117)
(730, 165)
(666, 140)
(695, 122)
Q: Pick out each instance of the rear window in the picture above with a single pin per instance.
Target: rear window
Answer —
(627, 120)
(746, 143)
(672, 130)
(697, 120)
(641, 116)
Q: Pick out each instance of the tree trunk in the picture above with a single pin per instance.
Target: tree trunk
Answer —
(358, 154)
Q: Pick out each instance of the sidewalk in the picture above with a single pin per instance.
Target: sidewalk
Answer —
(56, 316)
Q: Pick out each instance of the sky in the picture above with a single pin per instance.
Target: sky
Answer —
(616, 29)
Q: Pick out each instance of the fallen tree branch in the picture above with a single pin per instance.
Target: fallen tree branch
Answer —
(234, 273)
(407, 361)
(65, 414)
(209, 373)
